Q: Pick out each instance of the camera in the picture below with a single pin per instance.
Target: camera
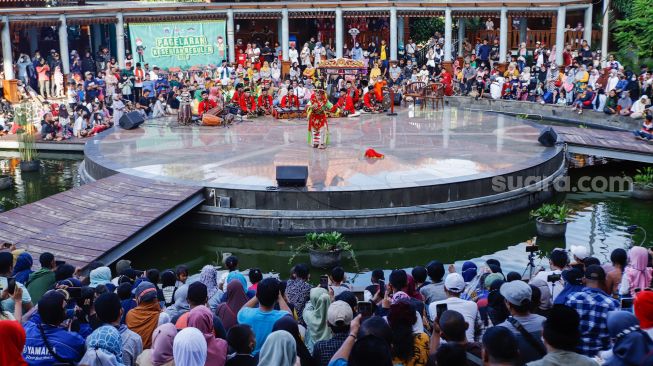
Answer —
(553, 278)
(532, 248)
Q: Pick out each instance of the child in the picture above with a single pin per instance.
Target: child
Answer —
(241, 339)
(58, 82)
(168, 282)
(182, 275)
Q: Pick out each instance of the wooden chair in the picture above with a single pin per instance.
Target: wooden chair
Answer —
(434, 93)
(415, 90)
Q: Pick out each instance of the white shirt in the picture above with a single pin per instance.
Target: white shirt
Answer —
(293, 55)
(468, 309)
(154, 76)
(489, 25)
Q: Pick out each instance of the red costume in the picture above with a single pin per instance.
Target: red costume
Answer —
(447, 81)
(206, 105)
(345, 103)
(317, 119)
(290, 101)
(247, 104)
(367, 100)
(265, 103)
(354, 94)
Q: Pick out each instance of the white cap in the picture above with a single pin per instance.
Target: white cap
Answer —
(579, 251)
(454, 283)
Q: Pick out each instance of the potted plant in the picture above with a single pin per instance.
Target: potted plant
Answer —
(26, 139)
(551, 220)
(5, 181)
(324, 249)
(643, 184)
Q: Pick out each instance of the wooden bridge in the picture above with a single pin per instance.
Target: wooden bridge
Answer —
(99, 221)
(609, 144)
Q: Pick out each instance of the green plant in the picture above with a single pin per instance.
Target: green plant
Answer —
(327, 242)
(634, 33)
(422, 29)
(550, 212)
(644, 178)
(26, 132)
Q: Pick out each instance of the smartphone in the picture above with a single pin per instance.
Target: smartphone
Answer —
(626, 302)
(324, 282)
(74, 292)
(365, 308)
(439, 309)
(11, 285)
(382, 288)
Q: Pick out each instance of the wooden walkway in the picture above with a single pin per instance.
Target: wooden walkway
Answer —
(101, 221)
(610, 144)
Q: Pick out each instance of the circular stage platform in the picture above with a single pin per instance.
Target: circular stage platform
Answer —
(440, 168)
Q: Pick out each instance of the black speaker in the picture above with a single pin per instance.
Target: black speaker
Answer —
(548, 137)
(131, 120)
(292, 175)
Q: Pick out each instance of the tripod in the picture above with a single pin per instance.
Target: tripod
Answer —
(530, 266)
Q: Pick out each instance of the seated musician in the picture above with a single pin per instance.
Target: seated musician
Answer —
(370, 105)
(290, 100)
(345, 104)
(206, 104)
(378, 89)
(264, 103)
(353, 92)
(247, 104)
(235, 97)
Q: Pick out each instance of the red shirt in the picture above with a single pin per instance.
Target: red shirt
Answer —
(206, 105)
(289, 101)
(367, 99)
(345, 103)
(242, 58)
(265, 102)
(247, 104)
(354, 94)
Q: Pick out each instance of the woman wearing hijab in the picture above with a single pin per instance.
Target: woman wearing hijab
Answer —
(161, 352)
(103, 348)
(13, 341)
(144, 318)
(208, 276)
(23, 267)
(201, 317)
(228, 310)
(278, 350)
(315, 317)
(290, 325)
(180, 305)
(100, 276)
(471, 278)
(189, 348)
(637, 274)
(631, 344)
(573, 283)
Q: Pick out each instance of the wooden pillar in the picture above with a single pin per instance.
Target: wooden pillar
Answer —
(552, 32)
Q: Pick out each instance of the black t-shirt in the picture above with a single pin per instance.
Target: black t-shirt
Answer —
(242, 360)
(145, 102)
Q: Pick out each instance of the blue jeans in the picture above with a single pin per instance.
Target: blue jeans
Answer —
(643, 135)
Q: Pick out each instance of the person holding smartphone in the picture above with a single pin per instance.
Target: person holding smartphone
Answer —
(7, 301)
(454, 286)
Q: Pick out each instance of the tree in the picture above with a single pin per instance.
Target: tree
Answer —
(635, 33)
(424, 28)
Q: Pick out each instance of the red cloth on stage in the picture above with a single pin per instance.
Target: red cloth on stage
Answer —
(247, 104)
(289, 101)
(373, 154)
(345, 103)
(206, 105)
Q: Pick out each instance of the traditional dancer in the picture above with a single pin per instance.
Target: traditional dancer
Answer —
(318, 128)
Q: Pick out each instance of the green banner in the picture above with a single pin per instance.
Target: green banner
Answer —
(179, 44)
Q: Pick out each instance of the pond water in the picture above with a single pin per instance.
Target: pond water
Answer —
(599, 222)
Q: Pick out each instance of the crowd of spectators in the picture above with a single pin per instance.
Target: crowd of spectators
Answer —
(98, 92)
(577, 312)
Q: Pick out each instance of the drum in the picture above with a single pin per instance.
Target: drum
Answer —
(211, 120)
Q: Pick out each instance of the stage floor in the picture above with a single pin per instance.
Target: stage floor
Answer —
(421, 148)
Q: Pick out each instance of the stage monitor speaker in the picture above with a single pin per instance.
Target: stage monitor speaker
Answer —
(548, 137)
(292, 175)
(131, 120)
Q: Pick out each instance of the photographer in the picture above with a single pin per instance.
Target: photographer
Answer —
(558, 261)
(6, 299)
(47, 342)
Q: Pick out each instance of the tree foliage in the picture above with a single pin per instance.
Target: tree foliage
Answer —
(634, 34)
(421, 29)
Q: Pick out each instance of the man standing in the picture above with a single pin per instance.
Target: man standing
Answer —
(593, 305)
(454, 285)
(484, 52)
(339, 316)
